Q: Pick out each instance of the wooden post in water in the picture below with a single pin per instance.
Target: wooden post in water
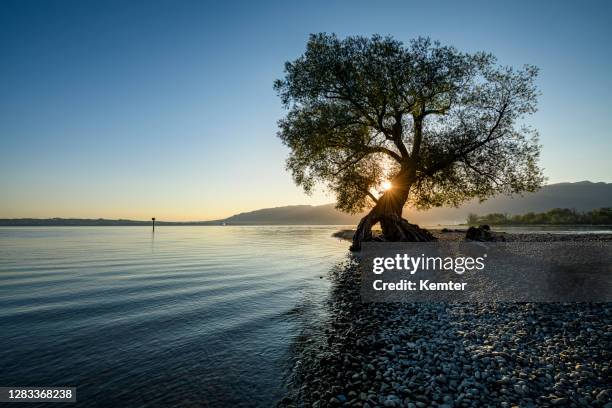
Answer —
(153, 223)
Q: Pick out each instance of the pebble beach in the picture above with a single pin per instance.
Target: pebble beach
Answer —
(454, 354)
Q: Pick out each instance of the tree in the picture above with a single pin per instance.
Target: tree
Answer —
(472, 219)
(440, 126)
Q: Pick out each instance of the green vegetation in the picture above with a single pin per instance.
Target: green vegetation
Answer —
(557, 216)
(383, 124)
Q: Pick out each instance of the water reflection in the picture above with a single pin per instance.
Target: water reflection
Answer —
(185, 316)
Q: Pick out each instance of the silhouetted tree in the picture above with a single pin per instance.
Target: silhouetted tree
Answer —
(472, 219)
(440, 125)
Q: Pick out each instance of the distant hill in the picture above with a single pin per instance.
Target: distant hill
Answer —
(581, 196)
(294, 214)
(87, 222)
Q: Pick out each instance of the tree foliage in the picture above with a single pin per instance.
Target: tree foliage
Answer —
(365, 110)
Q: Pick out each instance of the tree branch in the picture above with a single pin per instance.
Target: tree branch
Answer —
(397, 137)
(371, 196)
(482, 173)
(390, 153)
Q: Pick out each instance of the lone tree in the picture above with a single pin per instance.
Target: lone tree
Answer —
(384, 125)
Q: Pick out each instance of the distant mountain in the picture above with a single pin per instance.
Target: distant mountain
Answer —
(582, 196)
(66, 222)
(87, 222)
(294, 214)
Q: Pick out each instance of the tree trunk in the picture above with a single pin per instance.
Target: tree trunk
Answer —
(388, 212)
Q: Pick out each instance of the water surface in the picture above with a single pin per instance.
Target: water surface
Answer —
(189, 316)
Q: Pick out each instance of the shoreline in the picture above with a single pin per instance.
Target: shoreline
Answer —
(454, 354)
(459, 235)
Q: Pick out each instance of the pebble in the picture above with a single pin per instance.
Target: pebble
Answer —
(454, 355)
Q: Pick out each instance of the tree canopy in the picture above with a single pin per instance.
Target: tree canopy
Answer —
(443, 124)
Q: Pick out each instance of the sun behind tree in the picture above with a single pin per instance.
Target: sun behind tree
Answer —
(438, 125)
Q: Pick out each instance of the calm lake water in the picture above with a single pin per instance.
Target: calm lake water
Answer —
(191, 316)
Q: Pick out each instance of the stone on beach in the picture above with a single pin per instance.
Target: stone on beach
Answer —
(461, 355)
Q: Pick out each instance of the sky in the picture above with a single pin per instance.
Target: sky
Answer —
(134, 109)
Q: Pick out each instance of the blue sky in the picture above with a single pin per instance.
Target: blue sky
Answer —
(135, 109)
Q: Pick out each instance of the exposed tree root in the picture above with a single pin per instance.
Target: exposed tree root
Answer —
(394, 228)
